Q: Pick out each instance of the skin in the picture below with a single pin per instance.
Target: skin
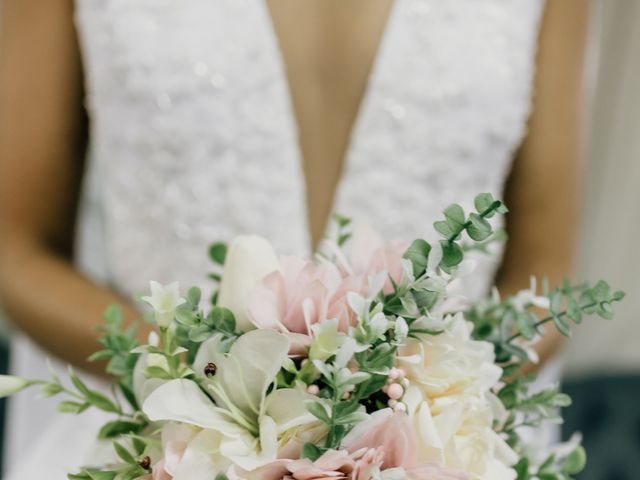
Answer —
(43, 138)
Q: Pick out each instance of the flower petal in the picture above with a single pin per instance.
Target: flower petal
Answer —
(183, 401)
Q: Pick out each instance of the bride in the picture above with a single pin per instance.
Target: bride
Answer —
(210, 118)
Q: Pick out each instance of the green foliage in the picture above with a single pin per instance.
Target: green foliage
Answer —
(476, 226)
(418, 254)
(339, 405)
(218, 253)
(117, 349)
(343, 223)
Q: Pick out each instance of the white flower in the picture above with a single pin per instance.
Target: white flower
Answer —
(164, 300)
(449, 401)
(10, 384)
(247, 422)
(250, 258)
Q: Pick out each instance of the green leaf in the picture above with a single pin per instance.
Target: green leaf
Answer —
(343, 238)
(455, 214)
(221, 476)
(341, 220)
(93, 475)
(193, 296)
(452, 254)
(157, 372)
(525, 322)
(72, 407)
(124, 454)
(51, 389)
(418, 254)
(113, 316)
(216, 277)
(118, 427)
(561, 325)
(79, 384)
(605, 310)
(100, 355)
(555, 301)
(573, 311)
(500, 207)
(483, 202)
(618, 296)
(218, 252)
(316, 409)
(444, 228)
(479, 229)
(522, 469)
(200, 333)
(185, 316)
(102, 402)
(561, 400)
(575, 461)
(371, 386)
(311, 451)
(223, 319)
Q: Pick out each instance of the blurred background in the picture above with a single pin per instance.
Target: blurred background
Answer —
(596, 374)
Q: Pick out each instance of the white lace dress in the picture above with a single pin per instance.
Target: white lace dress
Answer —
(193, 140)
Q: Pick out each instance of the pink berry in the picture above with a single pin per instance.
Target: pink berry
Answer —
(313, 389)
(346, 396)
(394, 373)
(395, 391)
(385, 388)
(392, 403)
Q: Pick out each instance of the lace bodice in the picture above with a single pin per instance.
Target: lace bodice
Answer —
(194, 140)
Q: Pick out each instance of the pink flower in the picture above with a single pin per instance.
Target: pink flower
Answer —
(369, 255)
(391, 434)
(336, 464)
(390, 431)
(298, 296)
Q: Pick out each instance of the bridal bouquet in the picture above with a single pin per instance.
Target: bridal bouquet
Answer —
(361, 363)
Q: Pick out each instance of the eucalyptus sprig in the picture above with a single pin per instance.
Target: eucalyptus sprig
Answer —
(118, 344)
(476, 225)
(514, 323)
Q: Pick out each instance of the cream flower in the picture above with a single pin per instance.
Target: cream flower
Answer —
(164, 300)
(449, 401)
(250, 258)
(10, 384)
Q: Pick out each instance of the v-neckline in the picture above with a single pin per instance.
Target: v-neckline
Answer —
(275, 50)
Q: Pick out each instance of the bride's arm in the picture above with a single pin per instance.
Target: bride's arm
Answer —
(42, 139)
(543, 192)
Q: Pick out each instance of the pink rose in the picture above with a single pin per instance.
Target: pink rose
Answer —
(390, 431)
(298, 296)
(392, 435)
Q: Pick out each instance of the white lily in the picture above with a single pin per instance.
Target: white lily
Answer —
(248, 422)
(164, 299)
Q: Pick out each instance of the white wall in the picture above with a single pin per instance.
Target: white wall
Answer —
(609, 246)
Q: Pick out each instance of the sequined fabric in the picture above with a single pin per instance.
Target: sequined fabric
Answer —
(193, 139)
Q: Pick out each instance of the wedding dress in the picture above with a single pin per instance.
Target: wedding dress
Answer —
(193, 140)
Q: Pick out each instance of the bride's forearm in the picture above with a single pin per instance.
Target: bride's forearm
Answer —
(53, 303)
